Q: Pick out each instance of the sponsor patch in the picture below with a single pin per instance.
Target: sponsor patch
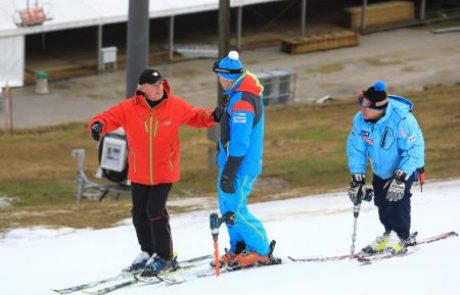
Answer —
(364, 133)
(239, 119)
(368, 140)
(412, 138)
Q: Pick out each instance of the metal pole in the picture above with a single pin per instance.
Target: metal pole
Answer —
(171, 38)
(363, 16)
(356, 208)
(99, 48)
(224, 45)
(138, 42)
(239, 26)
(224, 37)
(303, 14)
(422, 9)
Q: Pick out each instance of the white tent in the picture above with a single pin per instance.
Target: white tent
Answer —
(70, 14)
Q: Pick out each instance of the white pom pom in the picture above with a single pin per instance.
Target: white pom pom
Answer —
(233, 55)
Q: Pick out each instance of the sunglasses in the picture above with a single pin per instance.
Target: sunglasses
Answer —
(366, 103)
(216, 69)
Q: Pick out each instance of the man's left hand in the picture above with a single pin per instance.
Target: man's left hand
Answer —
(217, 114)
(397, 187)
(226, 184)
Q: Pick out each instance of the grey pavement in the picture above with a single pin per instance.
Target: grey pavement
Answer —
(408, 59)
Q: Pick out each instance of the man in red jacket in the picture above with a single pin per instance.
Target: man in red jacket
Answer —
(151, 120)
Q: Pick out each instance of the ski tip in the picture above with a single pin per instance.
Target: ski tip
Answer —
(453, 234)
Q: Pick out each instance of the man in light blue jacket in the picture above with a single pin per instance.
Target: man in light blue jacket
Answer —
(386, 132)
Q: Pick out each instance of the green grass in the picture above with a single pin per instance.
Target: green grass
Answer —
(304, 153)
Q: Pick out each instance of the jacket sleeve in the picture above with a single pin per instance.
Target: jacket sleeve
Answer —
(411, 145)
(356, 148)
(241, 120)
(112, 119)
(196, 117)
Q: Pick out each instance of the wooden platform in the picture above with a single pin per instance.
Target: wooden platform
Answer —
(337, 39)
(381, 14)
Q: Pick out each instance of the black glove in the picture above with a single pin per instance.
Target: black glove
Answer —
(355, 190)
(96, 129)
(397, 186)
(217, 114)
(226, 184)
(229, 174)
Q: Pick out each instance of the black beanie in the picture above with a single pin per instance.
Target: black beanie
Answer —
(375, 97)
(150, 76)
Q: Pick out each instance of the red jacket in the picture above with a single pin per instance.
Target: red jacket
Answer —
(153, 134)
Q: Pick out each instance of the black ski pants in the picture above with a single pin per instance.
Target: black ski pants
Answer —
(394, 216)
(151, 219)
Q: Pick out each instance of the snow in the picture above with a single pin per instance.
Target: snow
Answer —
(35, 260)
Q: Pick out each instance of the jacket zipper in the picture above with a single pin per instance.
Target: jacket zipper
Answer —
(150, 149)
(134, 160)
(152, 132)
(171, 167)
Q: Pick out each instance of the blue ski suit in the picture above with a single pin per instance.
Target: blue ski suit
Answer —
(394, 142)
(240, 150)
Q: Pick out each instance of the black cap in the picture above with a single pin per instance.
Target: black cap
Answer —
(150, 76)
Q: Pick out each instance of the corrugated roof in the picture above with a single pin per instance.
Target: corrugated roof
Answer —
(67, 14)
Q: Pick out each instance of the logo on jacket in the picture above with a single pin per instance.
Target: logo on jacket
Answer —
(365, 136)
(239, 118)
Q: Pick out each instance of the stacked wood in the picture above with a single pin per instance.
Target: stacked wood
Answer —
(382, 14)
(311, 43)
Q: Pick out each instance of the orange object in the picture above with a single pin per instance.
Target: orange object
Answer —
(228, 257)
(246, 259)
(34, 16)
(216, 259)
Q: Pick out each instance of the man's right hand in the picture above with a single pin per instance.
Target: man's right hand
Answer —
(355, 190)
(96, 130)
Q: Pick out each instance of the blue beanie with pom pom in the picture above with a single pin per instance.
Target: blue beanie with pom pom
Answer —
(375, 97)
(230, 67)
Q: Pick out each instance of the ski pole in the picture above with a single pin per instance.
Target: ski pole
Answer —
(356, 208)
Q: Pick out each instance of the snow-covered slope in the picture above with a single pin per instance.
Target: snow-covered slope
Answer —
(35, 260)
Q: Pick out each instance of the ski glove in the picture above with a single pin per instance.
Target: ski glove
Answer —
(229, 174)
(217, 114)
(96, 130)
(355, 190)
(397, 186)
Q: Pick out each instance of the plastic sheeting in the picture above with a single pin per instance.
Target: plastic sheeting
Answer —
(12, 61)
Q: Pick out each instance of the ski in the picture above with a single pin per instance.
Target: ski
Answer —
(90, 284)
(384, 255)
(322, 259)
(112, 288)
(349, 256)
(130, 280)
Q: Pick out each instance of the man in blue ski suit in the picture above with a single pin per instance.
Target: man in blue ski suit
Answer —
(386, 132)
(240, 160)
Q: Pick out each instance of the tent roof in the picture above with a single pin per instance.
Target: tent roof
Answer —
(68, 14)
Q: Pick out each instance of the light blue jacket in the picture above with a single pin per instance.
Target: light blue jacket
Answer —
(242, 127)
(394, 142)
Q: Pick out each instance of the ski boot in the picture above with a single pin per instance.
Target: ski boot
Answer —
(156, 265)
(378, 245)
(229, 256)
(394, 244)
(411, 240)
(251, 258)
(138, 263)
